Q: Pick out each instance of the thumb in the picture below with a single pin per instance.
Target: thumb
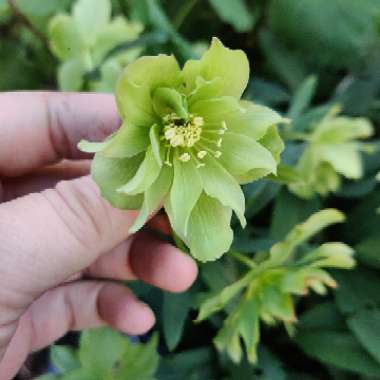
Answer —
(47, 237)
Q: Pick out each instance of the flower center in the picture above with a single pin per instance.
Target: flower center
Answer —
(190, 139)
(181, 132)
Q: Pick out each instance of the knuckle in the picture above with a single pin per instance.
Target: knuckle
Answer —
(80, 210)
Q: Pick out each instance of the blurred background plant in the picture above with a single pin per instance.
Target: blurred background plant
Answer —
(310, 59)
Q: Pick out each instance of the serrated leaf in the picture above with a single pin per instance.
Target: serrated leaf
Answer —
(100, 350)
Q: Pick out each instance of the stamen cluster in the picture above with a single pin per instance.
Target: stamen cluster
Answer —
(192, 138)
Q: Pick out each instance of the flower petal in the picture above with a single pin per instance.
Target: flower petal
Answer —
(157, 148)
(273, 142)
(219, 184)
(167, 100)
(128, 141)
(111, 173)
(344, 158)
(242, 155)
(144, 177)
(153, 197)
(209, 231)
(137, 83)
(242, 117)
(184, 194)
(231, 66)
(65, 39)
(91, 20)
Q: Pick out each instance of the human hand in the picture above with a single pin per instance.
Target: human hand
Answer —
(55, 228)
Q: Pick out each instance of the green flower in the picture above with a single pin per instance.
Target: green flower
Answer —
(333, 150)
(187, 142)
(83, 40)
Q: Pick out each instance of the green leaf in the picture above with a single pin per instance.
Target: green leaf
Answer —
(338, 349)
(153, 197)
(139, 361)
(100, 349)
(176, 309)
(305, 26)
(209, 231)
(80, 374)
(146, 174)
(70, 75)
(65, 39)
(288, 211)
(365, 324)
(222, 298)
(64, 358)
(357, 290)
(184, 194)
(111, 173)
(47, 377)
(302, 97)
(235, 12)
(305, 231)
(91, 20)
(219, 184)
(232, 75)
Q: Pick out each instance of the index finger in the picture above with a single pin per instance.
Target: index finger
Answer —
(40, 128)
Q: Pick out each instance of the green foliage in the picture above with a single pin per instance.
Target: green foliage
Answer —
(268, 286)
(105, 354)
(307, 57)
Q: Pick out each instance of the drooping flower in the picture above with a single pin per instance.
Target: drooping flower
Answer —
(187, 142)
(82, 41)
(333, 150)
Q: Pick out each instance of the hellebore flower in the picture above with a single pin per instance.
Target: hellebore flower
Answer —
(333, 150)
(187, 142)
(82, 41)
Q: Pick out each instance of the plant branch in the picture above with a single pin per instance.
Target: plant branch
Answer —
(24, 20)
(183, 13)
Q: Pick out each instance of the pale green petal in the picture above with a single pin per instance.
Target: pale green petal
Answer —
(185, 192)
(273, 142)
(91, 18)
(219, 184)
(64, 37)
(155, 143)
(231, 66)
(154, 197)
(70, 75)
(116, 32)
(209, 231)
(241, 155)
(245, 118)
(110, 174)
(167, 101)
(144, 177)
(137, 83)
(128, 141)
(341, 129)
(92, 147)
(344, 158)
